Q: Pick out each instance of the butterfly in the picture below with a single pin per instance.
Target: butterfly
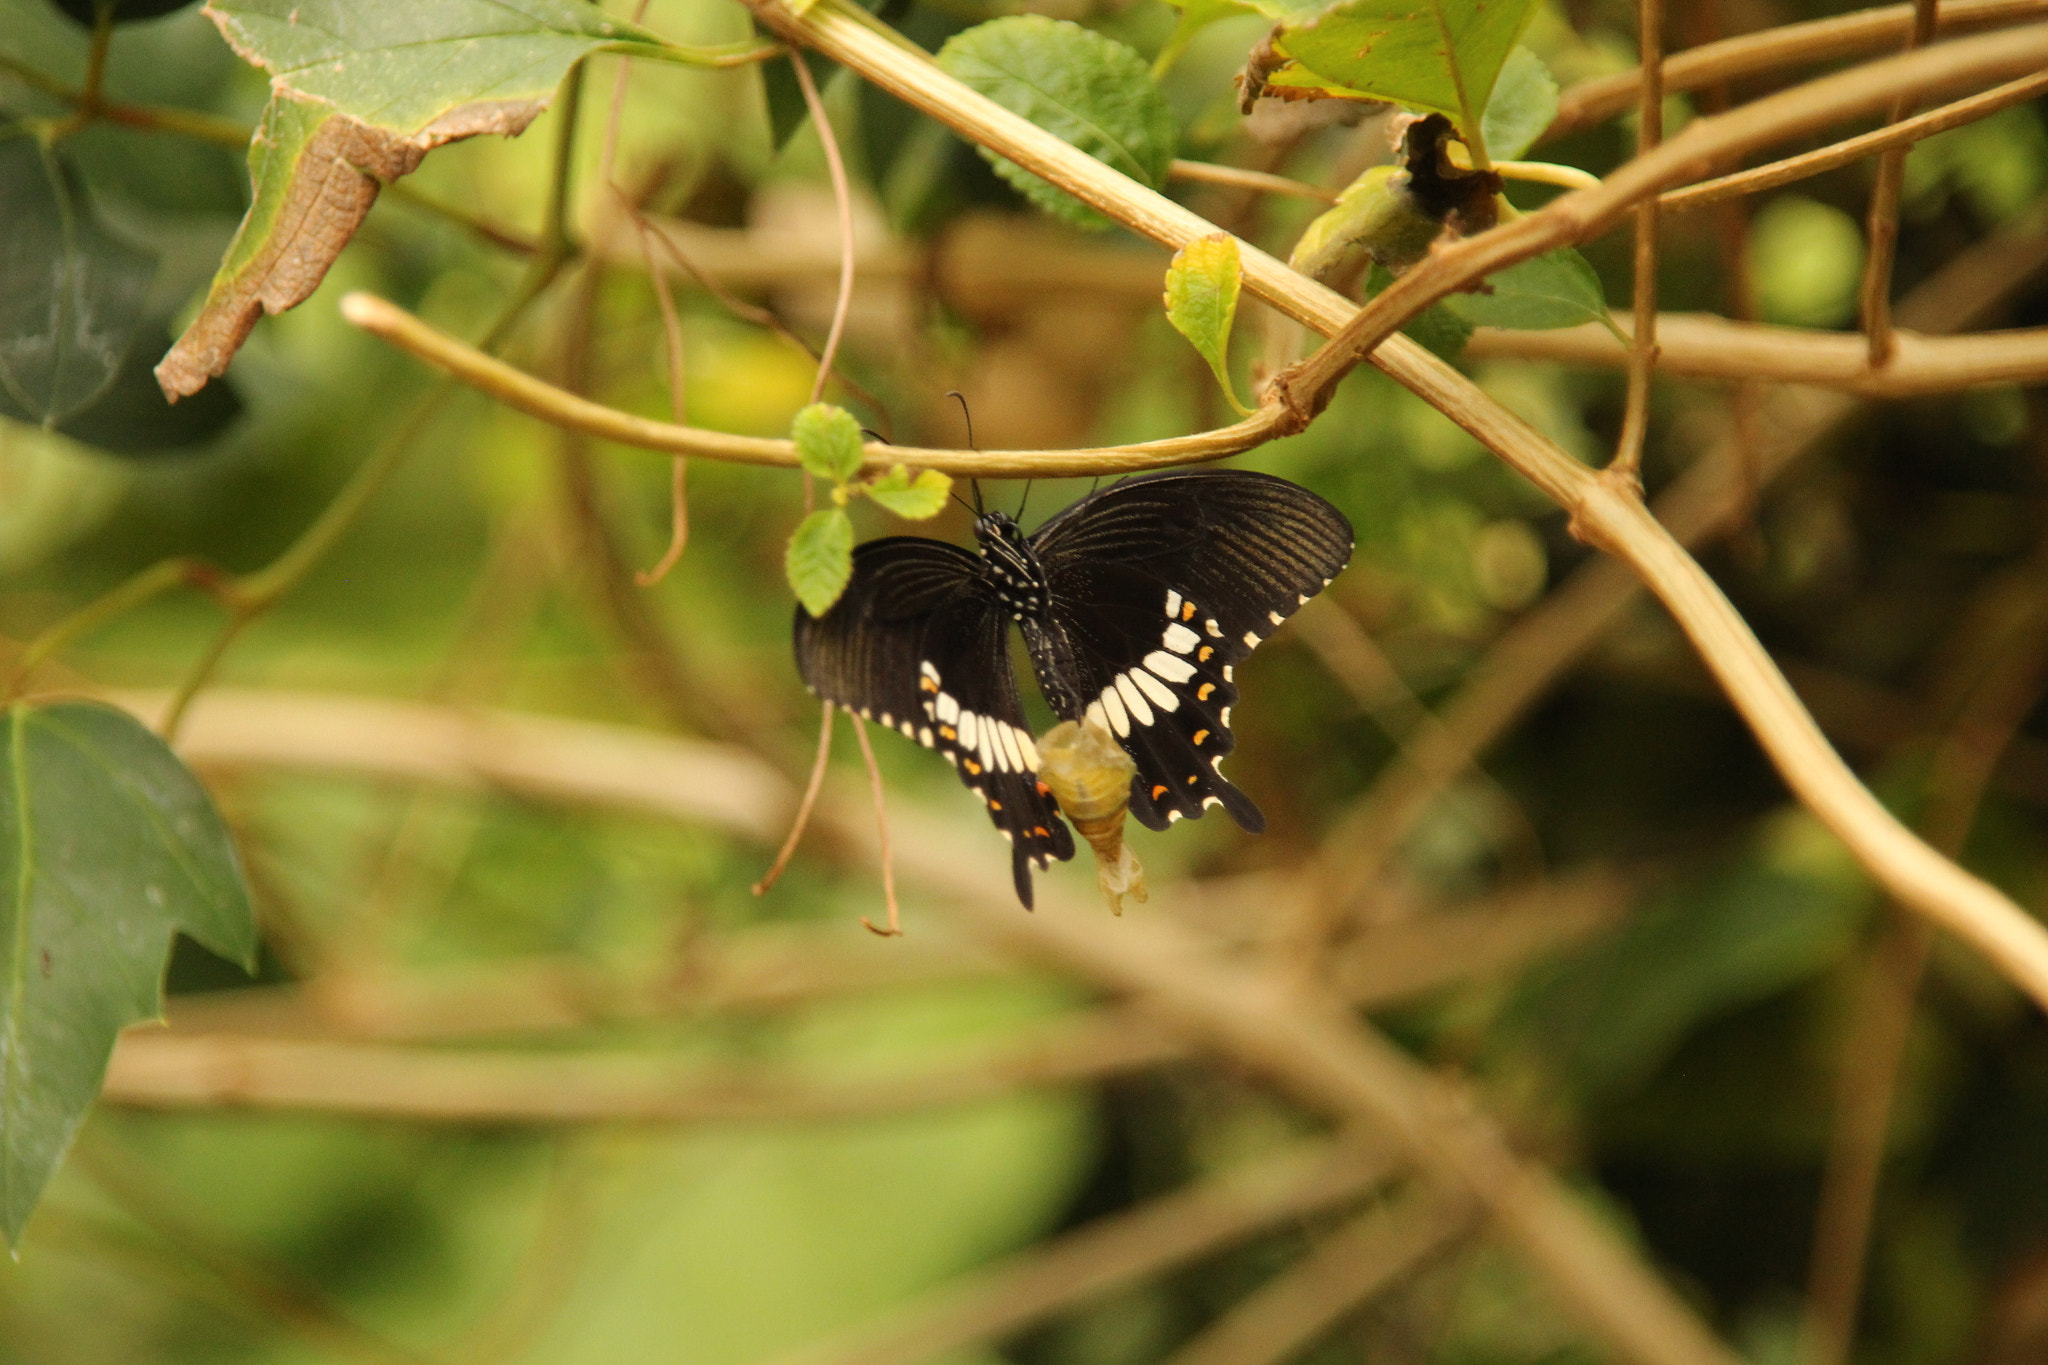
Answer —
(1135, 605)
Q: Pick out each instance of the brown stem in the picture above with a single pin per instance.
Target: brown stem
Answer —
(1882, 229)
(1642, 360)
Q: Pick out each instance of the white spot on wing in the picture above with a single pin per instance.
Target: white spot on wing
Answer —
(1213, 629)
(924, 736)
(1179, 638)
(1275, 617)
(929, 671)
(1226, 672)
(969, 725)
(1119, 719)
(1251, 639)
(1172, 605)
(1128, 690)
(949, 710)
(1029, 751)
(1098, 714)
(1156, 691)
(1171, 667)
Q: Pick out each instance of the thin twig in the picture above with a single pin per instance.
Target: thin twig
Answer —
(986, 1305)
(1642, 357)
(1708, 346)
(1881, 230)
(1903, 132)
(1289, 1313)
(867, 755)
(803, 807)
(1261, 182)
(1773, 49)
(842, 196)
(553, 404)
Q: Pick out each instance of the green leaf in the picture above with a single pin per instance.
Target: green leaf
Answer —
(1523, 104)
(71, 294)
(1201, 301)
(409, 69)
(1436, 328)
(108, 846)
(1556, 289)
(1076, 84)
(1441, 55)
(820, 559)
(828, 441)
(914, 499)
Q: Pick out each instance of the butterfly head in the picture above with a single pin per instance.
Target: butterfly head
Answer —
(1018, 577)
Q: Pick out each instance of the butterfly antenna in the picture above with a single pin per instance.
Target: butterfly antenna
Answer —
(965, 414)
(874, 435)
(1025, 500)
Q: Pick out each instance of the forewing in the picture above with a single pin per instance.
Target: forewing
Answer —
(1162, 584)
(915, 643)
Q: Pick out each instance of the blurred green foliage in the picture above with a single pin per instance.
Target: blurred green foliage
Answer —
(1679, 1066)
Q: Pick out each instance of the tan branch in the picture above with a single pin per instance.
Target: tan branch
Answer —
(1920, 126)
(1209, 173)
(1292, 1311)
(154, 1069)
(1881, 225)
(986, 1305)
(1753, 54)
(537, 398)
(1706, 346)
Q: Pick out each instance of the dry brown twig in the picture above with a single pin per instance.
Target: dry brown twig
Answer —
(1642, 354)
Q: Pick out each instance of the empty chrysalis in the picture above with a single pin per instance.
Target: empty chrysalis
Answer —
(1090, 776)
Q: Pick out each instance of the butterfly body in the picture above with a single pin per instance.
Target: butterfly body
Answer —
(1135, 603)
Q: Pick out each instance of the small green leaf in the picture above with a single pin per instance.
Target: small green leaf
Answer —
(1441, 55)
(1076, 84)
(828, 442)
(820, 559)
(1556, 289)
(71, 294)
(1201, 301)
(1523, 104)
(407, 68)
(108, 846)
(914, 499)
(1195, 15)
(1395, 213)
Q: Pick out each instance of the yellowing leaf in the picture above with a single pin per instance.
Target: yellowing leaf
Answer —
(914, 499)
(819, 560)
(1201, 301)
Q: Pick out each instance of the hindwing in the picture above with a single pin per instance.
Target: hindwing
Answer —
(1159, 585)
(919, 643)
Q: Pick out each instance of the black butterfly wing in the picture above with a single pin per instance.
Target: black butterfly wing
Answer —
(1160, 585)
(919, 644)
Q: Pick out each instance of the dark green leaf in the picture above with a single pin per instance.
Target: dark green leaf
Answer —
(71, 294)
(125, 11)
(1436, 328)
(1441, 55)
(1556, 289)
(914, 499)
(1524, 101)
(1076, 84)
(828, 441)
(820, 559)
(409, 69)
(134, 418)
(107, 847)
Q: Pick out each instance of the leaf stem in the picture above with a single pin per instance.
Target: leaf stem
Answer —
(1237, 177)
(1882, 226)
(1548, 173)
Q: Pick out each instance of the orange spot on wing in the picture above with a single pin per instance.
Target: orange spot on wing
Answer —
(1202, 692)
(1201, 735)
(973, 767)
(1041, 831)
(1203, 657)
(948, 733)
(1158, 792)
(928, 684)
(1044, 790)
(1187, 611)
(994, 804)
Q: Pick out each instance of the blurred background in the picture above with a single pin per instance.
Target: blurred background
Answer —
(1663, 980)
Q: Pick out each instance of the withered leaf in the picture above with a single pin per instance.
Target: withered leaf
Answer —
(359, 94)
(315, 174)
